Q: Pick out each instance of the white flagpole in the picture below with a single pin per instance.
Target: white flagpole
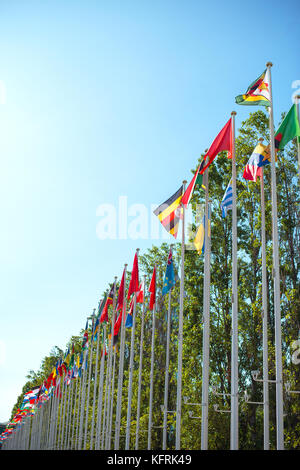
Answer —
(151, 376)
(121, 369)
(276, 281)
(95, 390)
(100, 393)
(206, 323)
(264, 314)
(180, 336)
(140, 371)
(167, 372)
(110, 356)
(89, 383)
(128, 426)
(112, 399)
(234, 428)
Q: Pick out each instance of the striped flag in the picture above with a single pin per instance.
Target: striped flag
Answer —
(258, 93)
(226, 203)
(170, 212)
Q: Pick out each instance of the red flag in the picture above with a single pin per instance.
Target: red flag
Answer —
(140, 294)
(152, 290)
(134, 281)
(120, 306)
(223, 141)
(109, 301)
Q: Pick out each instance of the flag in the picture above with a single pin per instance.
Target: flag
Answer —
(222, 142)
(140, 293)
(134, 280)
(169, 213)
(258, 93)
(120, 306)
(169, 280)
(106, 304)
(226, 203)
(199, 241)
(152, 290)
(85, 341)
(197, 181)
(257, 159)
(288, 129)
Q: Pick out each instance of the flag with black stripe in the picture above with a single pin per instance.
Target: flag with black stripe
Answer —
(170, 212)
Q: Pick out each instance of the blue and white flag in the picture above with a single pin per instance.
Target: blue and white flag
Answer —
(226, 203)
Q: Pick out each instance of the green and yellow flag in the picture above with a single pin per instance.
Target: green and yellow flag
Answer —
(258, 93)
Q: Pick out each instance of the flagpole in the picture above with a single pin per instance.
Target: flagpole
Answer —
(127, 439)
(206, 323)
(166, 394)
(234, 428)
(276, 282)
(100, 394)
(89, 383)
(137, 431)
(110, 356)
(151, 375)
(298, 139)
(112, 399)
(95, 390)
(180, 336)
(121, 369)
(264, 314)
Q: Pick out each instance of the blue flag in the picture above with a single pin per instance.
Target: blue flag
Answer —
(226, 203)
(169, 280)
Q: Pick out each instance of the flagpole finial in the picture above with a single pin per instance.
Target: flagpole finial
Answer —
(261, 139)
(233, 113)
(184, 181)
(269, 64)
(137, 250)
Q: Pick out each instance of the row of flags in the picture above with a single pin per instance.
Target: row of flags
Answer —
(169, 214)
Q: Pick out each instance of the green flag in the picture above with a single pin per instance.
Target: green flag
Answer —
(288, 130)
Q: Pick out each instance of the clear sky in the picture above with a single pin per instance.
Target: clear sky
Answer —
(102, 99)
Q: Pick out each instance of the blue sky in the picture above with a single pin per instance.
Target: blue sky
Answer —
(102, 99)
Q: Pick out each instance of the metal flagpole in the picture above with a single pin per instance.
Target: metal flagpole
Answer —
(74, 414)
(234, 427)
(84, 374)
(110, 357)
(137, 431)
(102, 441)
(151, 376)
(264, 314)
(128, 425)
(95, 391)
(206, 322)
(276, 283)
(79, 401)
(89, 382)
(100, 394)
(180, 337)
(164, 446)
(298, 139)
(112, 400)
(121, 368)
